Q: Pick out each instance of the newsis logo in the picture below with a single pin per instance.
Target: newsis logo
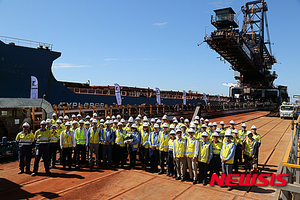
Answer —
(248, 180)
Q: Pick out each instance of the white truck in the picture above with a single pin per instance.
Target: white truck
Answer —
(288, 111)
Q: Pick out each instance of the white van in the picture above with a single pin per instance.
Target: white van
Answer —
(288, 111)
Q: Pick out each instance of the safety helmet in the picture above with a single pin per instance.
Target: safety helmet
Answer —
(222, 123)
(58, 121)
(191, 130)
(43, 122)
(244, 125)
(95, 115)
(48, 121)
(87, 117)
(215, 124)
(66, 117)
(108, 117)
(74, 122)
(253, 127)
(119, 116)
(204, 134)
(120, 124)
(235, 131)
(133, 126)
(231, 122)
(54, 114)
(113, 117)
(81, 121)
(94, 121)
(172, 132)
(203, 126)
(87, 123)
(122, 120)
(164, 117)
(165, 125)
(156, 126)
(68, 124)
(172, 126)
(186, 121)
(218, 130)
(152, 120)
(197, 117)
(192, 126)
(215, 134)
(206, 120)
(26, 124)
(210, 124)
(79, 115)
(249, 132)
(228, 133)
(145, 124)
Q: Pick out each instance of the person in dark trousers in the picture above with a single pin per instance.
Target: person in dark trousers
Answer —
(153, 142)
(42, 137)
(67, 144)
(134, 145)
(164, 137)
(81, 138)
(144, 149)
(120, 145)
(171, 162)
(238, 151)
(107, 138)
(54, 137)
(215, 163)
(25, 140)
(249, 150)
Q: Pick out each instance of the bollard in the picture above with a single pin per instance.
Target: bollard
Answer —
(150, 110)
(139, 109)
(129, 111)
(33, 120)
(123, 107)
(105, 115)
(64, 110)
(111, 107)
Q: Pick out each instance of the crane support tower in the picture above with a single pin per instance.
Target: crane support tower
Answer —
(248, 51)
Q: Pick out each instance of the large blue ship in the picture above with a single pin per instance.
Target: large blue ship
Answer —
(19, 62)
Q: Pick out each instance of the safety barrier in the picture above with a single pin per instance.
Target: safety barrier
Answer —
(290, 165)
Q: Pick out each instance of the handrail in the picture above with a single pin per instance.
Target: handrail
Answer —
(29, 43)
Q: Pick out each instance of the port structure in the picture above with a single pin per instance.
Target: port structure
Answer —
(247, 51)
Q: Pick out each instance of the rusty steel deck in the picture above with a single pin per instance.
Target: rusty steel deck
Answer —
(115, 183)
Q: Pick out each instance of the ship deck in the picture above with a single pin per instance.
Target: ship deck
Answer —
(99, 183)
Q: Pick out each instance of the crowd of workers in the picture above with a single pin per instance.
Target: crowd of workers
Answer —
(184, 150)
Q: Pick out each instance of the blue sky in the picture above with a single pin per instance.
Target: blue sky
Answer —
(145, 43)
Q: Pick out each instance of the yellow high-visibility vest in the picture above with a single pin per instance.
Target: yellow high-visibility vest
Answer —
(94, 136)
(164, 142)
(80, 136)
(67, 140)
(180, 147)
(216, 147)
(42, 136)
(144, 138)
(203, 152)
(120, 137)
(190, 148)
(225, 151)
(249, 148)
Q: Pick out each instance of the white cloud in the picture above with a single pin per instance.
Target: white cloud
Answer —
(111, 59)
(221, 3)
(68, 65)
(160, 24)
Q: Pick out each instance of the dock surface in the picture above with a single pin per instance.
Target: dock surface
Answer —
(116, 183)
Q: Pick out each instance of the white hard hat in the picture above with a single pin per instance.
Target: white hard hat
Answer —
(87, 117)
(192, 126)
(73, 116)
(102, 120)
(249, 132)
(74, 122)
(43, 122)
(130, 119)
(145, 124)
(133, 126)
(119, 116)
(81, 121)
(66, 117)
(244, 125)
(94, 121)
(174, 118)
(235, 131)
(196, 122)
(201, 119)
(215, 134)
(186, 120)
(58, 121)
(111, 121)
(172, 132)
(181, 118)
(60, 117)
(116, 121)
(68, 124)
(122, 120)
(222, 123)
(191, 130)
(91, 119)
(183, 125)
(107, 122)
(253, 127)
(204, 134)
(120, 124)
(48, 120)
(107, 117)
(172, 126)
(87, 123)
(197, 117)
(175, 121)
(156, 126)
(79, 115)
(140, 116)
(54, 125)
(165, 125)
(178, 130)
(158, 121)
(228, 133)
(210, 124)
(231, 122)
(25, 124)
(164, 117)
(152, 120)
(215, 124)
(218, 130)
(113, 117)
(178, 126)
(206, 120)
(54, 114)
(137, 118)
(95, 115)
(203, 126)
(145, 118)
